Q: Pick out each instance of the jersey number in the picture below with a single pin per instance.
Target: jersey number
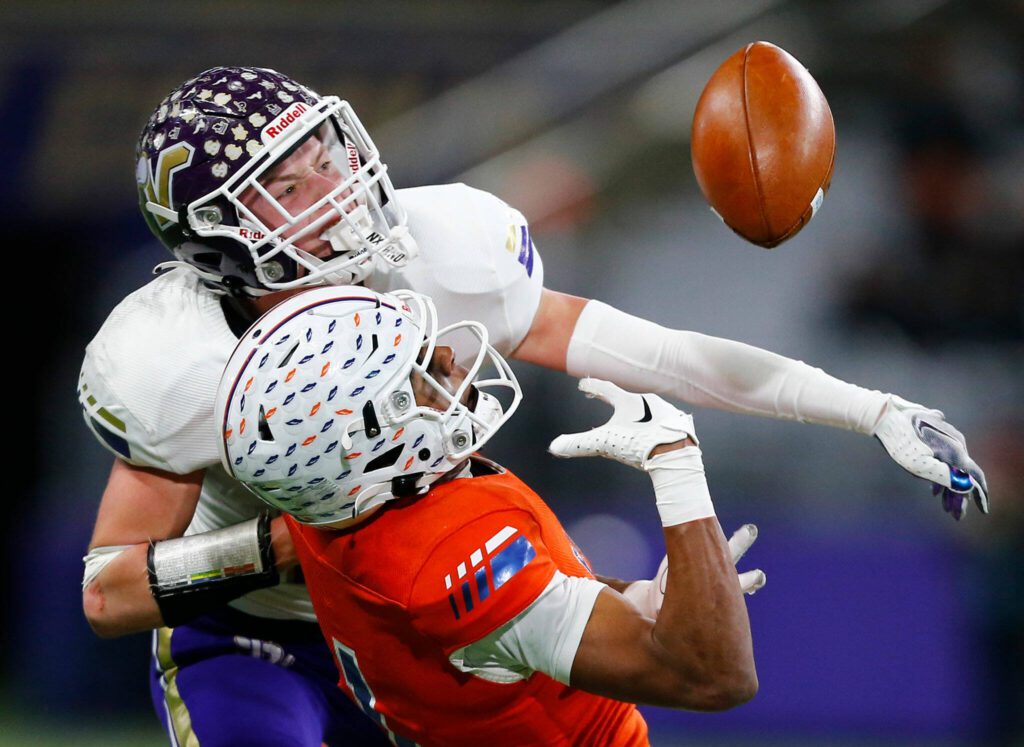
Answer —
(349, 665)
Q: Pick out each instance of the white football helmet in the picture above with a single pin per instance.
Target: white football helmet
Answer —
(318, 410)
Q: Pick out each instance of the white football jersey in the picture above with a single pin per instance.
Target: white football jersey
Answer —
(150, 376)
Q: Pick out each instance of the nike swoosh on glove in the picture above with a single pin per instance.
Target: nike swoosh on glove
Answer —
(638, 424)
(925, 445)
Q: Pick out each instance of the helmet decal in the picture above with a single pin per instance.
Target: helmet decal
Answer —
(278, 127)
(157, 182)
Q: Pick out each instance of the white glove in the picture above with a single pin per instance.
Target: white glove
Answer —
(640, 422)
(925, 445)
(649, 595)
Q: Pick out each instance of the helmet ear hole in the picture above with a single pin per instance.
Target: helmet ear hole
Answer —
(386, 459)
(183, 224)
(210, 260)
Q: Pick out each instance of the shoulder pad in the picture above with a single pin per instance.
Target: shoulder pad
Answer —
(149, 378)
(477, 260)
(479, 577)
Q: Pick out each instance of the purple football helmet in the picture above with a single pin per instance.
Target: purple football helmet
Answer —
(260, 184)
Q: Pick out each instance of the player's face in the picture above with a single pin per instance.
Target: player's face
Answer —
(448, 374)
(300, 180)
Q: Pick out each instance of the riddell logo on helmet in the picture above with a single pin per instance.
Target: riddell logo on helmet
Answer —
(353, 157)
(280, 125)
(247, 233)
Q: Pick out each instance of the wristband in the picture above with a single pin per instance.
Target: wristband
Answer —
(680, 486)
(190, 576)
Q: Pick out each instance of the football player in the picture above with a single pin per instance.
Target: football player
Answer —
(458, 609)
(261, 188)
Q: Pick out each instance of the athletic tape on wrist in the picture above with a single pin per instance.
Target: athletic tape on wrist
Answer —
(98, 559)
(680, 486)
(189, 576)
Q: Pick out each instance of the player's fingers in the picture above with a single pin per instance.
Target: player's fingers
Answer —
(751, 581)
(979, 487)
(954, 503)
(981, 497)
(970, 480)
(958, 485)
(603, 390)
(570, 445)
(741, 540)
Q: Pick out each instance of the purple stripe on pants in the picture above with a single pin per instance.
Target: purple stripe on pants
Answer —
(243, 680)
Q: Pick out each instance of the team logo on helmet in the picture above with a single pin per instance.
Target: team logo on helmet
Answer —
(157, 183)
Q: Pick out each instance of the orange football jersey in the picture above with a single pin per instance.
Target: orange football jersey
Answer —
(429, 575)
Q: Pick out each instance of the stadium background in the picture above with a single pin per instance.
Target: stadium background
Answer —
(883, 621)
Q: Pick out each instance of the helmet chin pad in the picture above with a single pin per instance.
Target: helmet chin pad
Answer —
(348, 239)
(354, 262)
(349, 235)
(349, 268)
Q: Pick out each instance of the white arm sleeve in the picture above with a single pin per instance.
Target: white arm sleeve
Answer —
(542, 638)
(713, 372)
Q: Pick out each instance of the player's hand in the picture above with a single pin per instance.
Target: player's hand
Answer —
(923, 443)
(739, 543)
(281, 542)
(639, 423)
(648, 595)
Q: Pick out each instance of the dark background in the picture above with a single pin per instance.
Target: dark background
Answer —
(883, 621)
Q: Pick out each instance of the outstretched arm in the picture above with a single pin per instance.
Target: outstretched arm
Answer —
(589, 338)
(697, 653)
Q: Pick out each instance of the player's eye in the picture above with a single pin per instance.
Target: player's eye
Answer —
(325, 166)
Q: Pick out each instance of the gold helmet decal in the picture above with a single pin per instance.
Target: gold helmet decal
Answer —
(156, 182)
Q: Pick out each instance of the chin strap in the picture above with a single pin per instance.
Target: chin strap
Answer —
(350, 236)
(174, 264)
(488, 412)
(347, 273)
(401, 248)
(155, 208)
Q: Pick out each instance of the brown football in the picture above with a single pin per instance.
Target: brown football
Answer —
(763, 144)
